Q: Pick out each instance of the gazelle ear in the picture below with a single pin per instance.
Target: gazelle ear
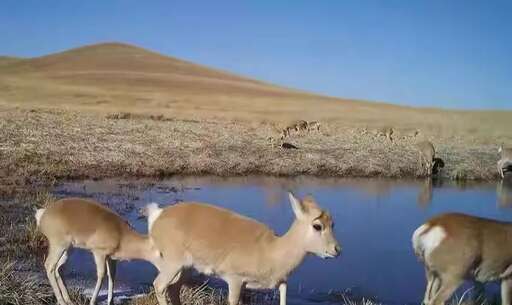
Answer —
(309, 203)
(298, 208)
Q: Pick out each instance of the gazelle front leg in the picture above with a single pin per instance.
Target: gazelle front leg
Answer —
(282, 293)
(235, 287)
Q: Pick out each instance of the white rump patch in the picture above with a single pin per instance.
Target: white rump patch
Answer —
(425, 243)
(152, 211)
(39, 214)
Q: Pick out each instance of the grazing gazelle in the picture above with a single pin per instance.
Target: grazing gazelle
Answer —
(301, 126)
(313, 125)
(85, 224)
(240, 250)
(456, 247)
(505, 159)
(427, 154)
(386, 131)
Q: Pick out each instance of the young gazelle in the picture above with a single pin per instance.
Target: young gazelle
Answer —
(240, 250)
(81, 223)
(456, 247)
(505, 159)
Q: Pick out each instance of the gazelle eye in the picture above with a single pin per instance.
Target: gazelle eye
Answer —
(317, 227)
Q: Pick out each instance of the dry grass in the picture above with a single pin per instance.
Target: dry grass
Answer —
(41, 147)
(18, 289)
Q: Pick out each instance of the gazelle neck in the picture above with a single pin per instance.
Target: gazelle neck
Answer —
(136, 246)
(288, 250)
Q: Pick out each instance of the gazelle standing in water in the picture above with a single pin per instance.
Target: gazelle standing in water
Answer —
(456, 247)
(505, 159)
(240, 250)
(80, 223)
(427, 154)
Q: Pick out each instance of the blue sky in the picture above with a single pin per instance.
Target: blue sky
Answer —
(455, 54)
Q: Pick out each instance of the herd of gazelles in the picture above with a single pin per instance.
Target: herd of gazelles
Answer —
(246, 253)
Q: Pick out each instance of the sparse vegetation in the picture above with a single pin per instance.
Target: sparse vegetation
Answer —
(17, 288)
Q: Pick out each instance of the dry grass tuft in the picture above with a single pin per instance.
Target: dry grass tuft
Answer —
(17, 288)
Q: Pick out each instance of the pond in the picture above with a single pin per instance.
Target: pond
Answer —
(374, 223)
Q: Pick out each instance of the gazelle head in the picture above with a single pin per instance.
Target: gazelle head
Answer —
(316, 226)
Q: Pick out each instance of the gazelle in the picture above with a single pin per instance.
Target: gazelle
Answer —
(456, 247)
(313, 125)
(81, 223)
(240, 250)
(427, 154)
(505, 159)
(386, 132)
(301, 126)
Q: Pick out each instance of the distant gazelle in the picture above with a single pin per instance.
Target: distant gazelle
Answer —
(287, 131)
(301, 125)
(81, 223)
(240, 250)
(427, 154)
(386, 132)
(505, 159)
(313, 126)
(457, 247)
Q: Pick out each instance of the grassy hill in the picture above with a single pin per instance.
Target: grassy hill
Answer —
(114, 77)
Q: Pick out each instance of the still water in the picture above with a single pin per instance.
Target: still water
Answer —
(374, 223)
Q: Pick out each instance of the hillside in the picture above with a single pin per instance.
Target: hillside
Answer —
(115, 77)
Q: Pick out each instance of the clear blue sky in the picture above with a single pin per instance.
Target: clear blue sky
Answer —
(425, 53)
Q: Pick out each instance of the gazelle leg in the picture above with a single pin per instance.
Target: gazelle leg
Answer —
(447, 288)
(506, 292)
(111, 273)
(235, 287)
(55, 252)
(282, 293)
(60, 281)
(166, 277)
(100, 260)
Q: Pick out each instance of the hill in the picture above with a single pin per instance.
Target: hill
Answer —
(116, 77)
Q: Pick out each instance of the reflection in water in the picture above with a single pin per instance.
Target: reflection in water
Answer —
(374, 219)
(504, 192)
(425, 194)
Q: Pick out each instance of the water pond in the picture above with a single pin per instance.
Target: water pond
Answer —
(374, 222)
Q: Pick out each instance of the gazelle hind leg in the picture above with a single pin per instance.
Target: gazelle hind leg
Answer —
(111, 273)
(100, 260)
(55, 252)
(60, 281)
(506, 292)
(447, 287)
(167, 276)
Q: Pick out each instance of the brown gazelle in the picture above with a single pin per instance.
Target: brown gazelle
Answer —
(81, 223)
(427, 154)
(456, 247)
(240, 250)
(505, 159)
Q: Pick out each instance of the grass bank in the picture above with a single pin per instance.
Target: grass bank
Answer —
(41, 147)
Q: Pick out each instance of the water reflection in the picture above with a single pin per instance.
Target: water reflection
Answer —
(504, 192)
(425, 194)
